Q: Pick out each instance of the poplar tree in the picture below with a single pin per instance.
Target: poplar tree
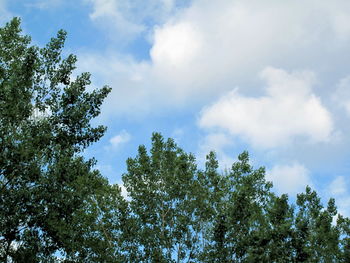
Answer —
(50, 196)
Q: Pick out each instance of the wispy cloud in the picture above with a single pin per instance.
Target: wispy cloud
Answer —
(119, 139)
(338, 186)
(342, 94)
(45, 4)
(5, 14)
(126, 19)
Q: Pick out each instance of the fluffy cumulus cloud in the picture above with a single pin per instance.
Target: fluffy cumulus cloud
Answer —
(175, 45)
(290, 179)
(216, 44)
(207, 47)
(288, 110)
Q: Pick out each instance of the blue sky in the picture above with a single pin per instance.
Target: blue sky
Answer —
(271, 77)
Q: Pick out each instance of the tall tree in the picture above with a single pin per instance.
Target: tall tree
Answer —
(316, 238)
(162, 190)
(45, 184)
(239, 226)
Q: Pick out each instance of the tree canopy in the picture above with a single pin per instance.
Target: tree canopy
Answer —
(55, 207)
(50, 195)
(185, 214)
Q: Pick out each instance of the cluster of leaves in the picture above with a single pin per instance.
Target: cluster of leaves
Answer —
(54, 207)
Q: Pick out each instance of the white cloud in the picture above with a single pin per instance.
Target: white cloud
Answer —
(175, 45)
(291, 179)
(227, 41)
(109, 14)
(121, 138)
(289, 110)
(131, 88)
(128, 19)
(206, 48)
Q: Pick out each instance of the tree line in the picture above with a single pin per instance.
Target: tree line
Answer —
(56, 207)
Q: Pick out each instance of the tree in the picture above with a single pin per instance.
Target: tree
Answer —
(163, 195)
(316, 239)
(181, 213)
(240, 232)
(52, 200)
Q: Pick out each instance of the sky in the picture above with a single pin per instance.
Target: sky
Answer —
(271, 77)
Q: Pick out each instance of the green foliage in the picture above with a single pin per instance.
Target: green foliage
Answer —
(162, 191)
(51, 199)
(184, 214)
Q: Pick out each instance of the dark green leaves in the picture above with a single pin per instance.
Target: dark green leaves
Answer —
(47, 188)
(183, 214)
